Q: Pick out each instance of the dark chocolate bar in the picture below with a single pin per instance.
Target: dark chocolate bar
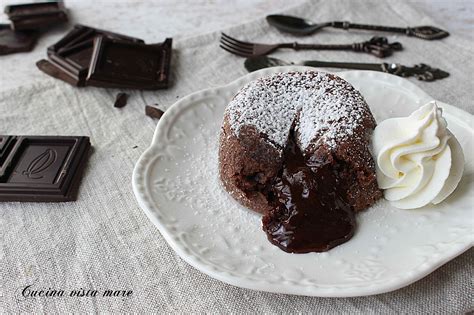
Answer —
(36, 15)
(16, 41)
(41, 168)
(118, 63)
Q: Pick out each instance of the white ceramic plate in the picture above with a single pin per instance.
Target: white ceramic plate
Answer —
(176, 183)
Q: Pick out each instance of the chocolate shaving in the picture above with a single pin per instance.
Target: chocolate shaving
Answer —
(153, 112)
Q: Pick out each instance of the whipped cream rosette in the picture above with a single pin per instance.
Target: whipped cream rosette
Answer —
(419, 161)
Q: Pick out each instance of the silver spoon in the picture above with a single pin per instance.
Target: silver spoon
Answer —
(296, 25)
(422, 71)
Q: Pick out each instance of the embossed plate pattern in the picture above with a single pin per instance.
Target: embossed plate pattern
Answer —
(176, 184)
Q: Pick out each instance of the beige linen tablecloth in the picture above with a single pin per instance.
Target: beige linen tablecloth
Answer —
(105, 241)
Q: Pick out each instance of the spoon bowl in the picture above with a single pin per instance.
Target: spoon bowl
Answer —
(295, 25)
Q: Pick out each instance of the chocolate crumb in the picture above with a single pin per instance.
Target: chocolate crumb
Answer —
(153, 112)
(121, 100)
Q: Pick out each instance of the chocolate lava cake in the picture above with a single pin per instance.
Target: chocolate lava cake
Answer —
(295, 147)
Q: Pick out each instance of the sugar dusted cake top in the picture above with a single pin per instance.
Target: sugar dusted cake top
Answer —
(323, 107)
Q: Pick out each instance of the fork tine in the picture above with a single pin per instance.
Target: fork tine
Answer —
(232, 51)
(236, 46)
(235, 52)
(231, 39)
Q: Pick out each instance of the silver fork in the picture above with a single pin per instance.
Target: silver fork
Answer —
(378, 46)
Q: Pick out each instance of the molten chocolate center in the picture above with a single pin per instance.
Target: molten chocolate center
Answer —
(310, 212)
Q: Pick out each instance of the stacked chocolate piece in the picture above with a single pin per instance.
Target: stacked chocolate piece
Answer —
(89, 56)
(32, 16)
(27, 21)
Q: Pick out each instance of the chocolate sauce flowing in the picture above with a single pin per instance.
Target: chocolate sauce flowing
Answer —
(310, 213)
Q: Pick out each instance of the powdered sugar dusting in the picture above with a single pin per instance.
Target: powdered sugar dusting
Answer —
(325, 107)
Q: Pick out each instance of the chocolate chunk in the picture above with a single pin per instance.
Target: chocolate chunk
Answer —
(32, 16)
(56, 72)
(104, 59)
(16, 41)
(121, 100)
(153, 112)
(41, 168)
(123, 64)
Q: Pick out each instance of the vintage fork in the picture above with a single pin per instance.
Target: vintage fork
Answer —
(378, 46)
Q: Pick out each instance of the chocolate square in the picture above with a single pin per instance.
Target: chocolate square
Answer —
(118, 63)
(41, 168)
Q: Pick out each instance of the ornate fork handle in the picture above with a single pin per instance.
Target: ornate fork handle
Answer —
(424, 32)
(421, 71)
(378, 46)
